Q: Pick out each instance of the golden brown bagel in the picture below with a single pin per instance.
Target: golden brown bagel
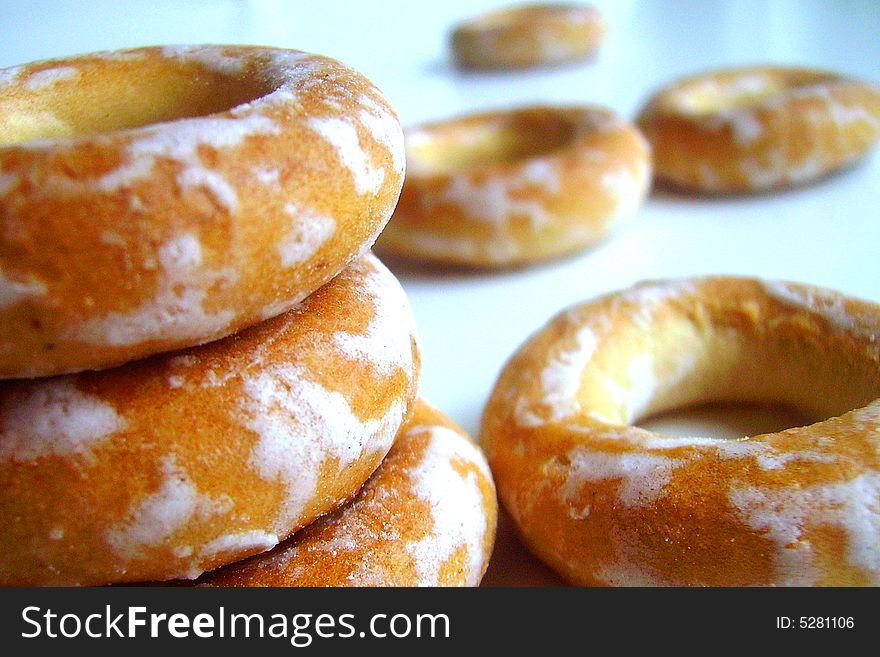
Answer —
(605, 502)
(753, 129)
(427, 517)
(159, 198)
(516, 187)
(528, 36)
(181, 463)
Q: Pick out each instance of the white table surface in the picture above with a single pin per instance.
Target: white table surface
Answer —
(826, 234)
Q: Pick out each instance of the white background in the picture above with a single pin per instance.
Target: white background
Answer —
(826, 234)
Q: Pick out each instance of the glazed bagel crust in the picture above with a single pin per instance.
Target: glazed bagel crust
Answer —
(548, 181)
(160, 198)
(752, 129)
(604, 502)
(178, 464)
(427, 517)
(528, 36)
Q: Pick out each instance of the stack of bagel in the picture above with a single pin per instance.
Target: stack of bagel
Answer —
(201, 356)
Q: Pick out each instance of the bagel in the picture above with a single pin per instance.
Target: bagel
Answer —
(175, 465)
(753, 129)
(516, 187)
(604, 502)
(427, 517)
(159, 198)
(528, 36)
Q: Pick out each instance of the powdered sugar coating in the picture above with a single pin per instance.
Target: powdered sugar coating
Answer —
(53, 418)
(621, 183)
(710, 96)
(211, 57)
(300, 424)
(457, 518)
(779, 460)
(643, 476)
(724, 111)
(385, 343)
(627, 567)
(183, 360)
(543, 174)
(240, 543)
(825, 303)
(745, 127)
(13, 292)
(648, 297)
(385, 129)
(425, 518)
(840, 113)
(49, 76)
(154, 519)
(268, 176)
(175, 312)
(10, 74)
(627, 186)
(562, 376)
(765, 171)
(782, 515)
(456, 505)
(7, 182)
(645, 462)
(180, 141)
(709, 177)
(560, 382)
(725, 449)
(343, 137)
(119, 55)
(494, 200)
(309, 232)
(775, 167)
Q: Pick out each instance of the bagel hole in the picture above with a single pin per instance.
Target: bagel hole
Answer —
(736, 385)
(103, 96)
(745, 353)
(485, 141)
(742, 89)
(727, 420)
